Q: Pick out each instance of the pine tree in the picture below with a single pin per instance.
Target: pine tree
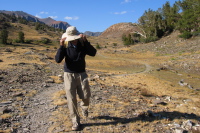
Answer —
(127, 40)
(152, 24)
(190, 15)
(21, 37)
(170, 16)
(4, 36)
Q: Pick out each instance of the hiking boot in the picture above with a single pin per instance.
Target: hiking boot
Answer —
(85, 112)
(76, 126)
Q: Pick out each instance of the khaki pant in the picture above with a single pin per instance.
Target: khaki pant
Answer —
(76, 83)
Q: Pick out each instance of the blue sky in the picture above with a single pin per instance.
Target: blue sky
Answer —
(86, 15)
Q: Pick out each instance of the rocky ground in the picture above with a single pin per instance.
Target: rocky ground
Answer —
(28, 103)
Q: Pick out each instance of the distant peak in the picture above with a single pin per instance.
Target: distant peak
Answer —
(49, 18)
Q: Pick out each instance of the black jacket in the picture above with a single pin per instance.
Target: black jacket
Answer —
(75, 56)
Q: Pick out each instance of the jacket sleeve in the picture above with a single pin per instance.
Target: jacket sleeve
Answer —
(60, 54)
(90, 50)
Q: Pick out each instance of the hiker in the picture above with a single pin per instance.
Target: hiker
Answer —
(74, 47)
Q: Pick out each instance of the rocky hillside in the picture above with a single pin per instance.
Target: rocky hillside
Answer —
(22, 15)
(117, 30)
(56, 24)
(89, 33)
(49, 21)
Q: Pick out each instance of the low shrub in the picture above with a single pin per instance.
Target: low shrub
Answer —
(185, 35)
(98, 46)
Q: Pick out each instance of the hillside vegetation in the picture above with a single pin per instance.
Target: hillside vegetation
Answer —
(182, 16)
(34, 32)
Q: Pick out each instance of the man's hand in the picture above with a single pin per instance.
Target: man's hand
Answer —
(62, 41)
(83, 37)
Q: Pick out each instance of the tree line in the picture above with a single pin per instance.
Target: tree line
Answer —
(182, 16)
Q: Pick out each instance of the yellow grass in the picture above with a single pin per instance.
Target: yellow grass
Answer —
(5, 131)
(19, 98)
(23, 113)
(56, 79)
(31, 93)
(18, 56)
(113, 65)
(30, 33)
(58, 94)
(57, 99)
(5, 116)
(60, 102)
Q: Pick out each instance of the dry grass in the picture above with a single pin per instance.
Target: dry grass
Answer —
(19, 98)
(18, 56)
(23, 113)
(113, 65)
(60, 102)
(5, 131)
(58, 94)
(57, 79)
(146, 92)
(6, 115)
(30, 33)
(31, 93)
(156, 87)
(58, 98)
(159, 87)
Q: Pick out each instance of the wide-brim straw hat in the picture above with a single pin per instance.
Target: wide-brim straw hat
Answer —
(71, 34)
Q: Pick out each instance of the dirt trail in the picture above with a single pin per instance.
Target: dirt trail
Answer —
(39, 110)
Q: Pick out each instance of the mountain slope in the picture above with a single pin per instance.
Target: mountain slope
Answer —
(89, 33)
(56, 24)
(49, 21)
(117, 30)
(32, 32)
(22, 14)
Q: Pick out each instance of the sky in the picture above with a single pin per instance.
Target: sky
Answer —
(86, 15)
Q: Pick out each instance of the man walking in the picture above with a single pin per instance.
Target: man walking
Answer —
(74, 48)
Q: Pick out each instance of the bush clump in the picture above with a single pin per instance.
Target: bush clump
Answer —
(185, 35)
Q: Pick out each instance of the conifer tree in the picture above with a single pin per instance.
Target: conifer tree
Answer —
(152, 24)
(190, 15)
(170, 16)
(21, 37)
(183, 16)
(4, 36)
(127, 40)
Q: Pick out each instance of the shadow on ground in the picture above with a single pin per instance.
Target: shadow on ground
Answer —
(149, 116)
